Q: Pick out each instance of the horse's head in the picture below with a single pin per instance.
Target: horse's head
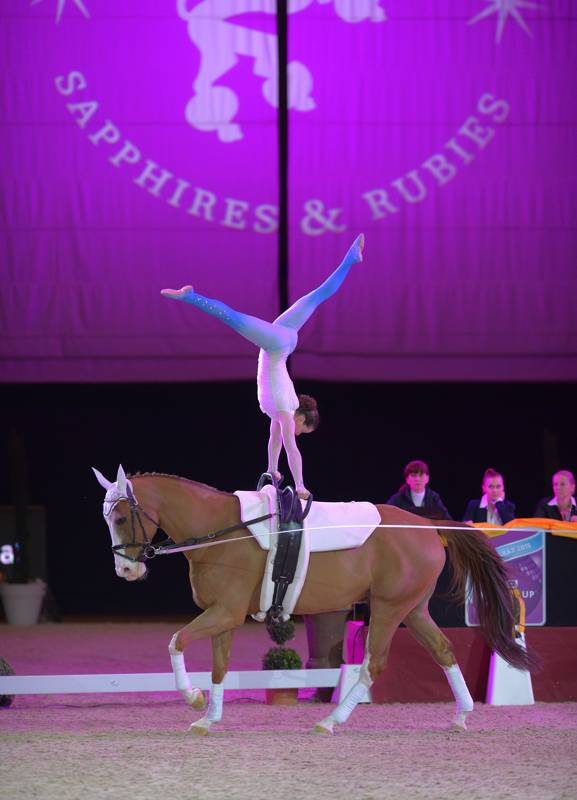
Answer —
(130, 529)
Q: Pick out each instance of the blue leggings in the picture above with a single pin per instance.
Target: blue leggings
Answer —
(279, 334)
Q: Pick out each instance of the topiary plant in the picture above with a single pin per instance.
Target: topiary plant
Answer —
(281, 658)
(281, 632)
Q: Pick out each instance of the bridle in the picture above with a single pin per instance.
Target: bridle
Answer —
(148, 550)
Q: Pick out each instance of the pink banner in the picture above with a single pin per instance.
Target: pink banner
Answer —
(446, 131)
(140, 150)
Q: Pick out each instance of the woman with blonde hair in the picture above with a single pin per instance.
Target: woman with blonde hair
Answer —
(562, 505)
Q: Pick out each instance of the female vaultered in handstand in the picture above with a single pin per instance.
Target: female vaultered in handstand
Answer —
(289, 414)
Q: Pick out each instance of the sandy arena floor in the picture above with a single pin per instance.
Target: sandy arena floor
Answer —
(79, 747)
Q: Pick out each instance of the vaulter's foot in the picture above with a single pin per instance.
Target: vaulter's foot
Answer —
(178, 294)
(355, 252)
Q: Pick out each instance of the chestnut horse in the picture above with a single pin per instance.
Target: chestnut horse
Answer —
(396, 569)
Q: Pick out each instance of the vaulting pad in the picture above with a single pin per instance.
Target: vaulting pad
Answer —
(331, 526)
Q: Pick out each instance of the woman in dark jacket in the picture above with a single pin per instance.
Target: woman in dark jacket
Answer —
(492, 507)
(562, 505)
(415, 496)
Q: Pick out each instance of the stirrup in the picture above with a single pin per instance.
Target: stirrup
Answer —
(266, 478)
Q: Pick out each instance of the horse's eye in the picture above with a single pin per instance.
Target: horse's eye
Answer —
(120, 520)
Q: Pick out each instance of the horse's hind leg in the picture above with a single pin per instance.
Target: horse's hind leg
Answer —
(220, 656)
(385, 620)
(427, 633)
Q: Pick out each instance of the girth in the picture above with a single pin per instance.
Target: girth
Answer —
(290, 531)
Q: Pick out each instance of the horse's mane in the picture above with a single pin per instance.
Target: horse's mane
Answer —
(198, 484)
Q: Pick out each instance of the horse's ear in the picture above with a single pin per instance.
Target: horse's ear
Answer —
(121, 480)
(101, 479)
(129, 492)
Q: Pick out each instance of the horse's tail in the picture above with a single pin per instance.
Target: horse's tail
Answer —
(473, 557)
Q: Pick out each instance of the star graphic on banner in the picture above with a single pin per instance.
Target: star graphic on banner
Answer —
(60, 4)
(504, 9)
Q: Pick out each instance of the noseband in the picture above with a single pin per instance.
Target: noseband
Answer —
(148, 550)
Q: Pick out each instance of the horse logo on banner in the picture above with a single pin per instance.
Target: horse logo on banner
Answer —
(212, 107)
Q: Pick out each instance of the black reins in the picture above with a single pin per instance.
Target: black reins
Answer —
(150, 550)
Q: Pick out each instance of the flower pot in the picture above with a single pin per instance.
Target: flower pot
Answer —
(281, 697)
(22, 601)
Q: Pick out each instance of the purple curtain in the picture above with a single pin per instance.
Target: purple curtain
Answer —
(139, 150)
(450, 140)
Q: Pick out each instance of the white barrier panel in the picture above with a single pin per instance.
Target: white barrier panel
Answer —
(507, 686)
(164, 681)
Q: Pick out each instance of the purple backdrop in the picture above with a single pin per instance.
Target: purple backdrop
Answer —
(139, 147)
(455, 153)
(113, 189)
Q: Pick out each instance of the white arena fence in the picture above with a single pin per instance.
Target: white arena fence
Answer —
(164, 681)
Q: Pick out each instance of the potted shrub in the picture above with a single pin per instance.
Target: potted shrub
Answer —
(282, 658)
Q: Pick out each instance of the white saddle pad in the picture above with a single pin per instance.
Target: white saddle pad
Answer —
(328, 526)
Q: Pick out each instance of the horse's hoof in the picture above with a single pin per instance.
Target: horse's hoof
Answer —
(459, 724)
(199, 729)
(456, 728)
(196, 700)
(325, 727)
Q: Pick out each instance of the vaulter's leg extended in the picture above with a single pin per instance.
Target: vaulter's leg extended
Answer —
(300, 311)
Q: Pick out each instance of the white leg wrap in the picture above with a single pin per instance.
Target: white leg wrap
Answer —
(214, 713)
(461, 694)
(344, 710)
(180, 674)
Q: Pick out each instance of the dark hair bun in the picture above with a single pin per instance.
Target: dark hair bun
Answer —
(307, 403)
(308, 409)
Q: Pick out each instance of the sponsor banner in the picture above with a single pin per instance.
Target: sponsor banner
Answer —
(524, 552)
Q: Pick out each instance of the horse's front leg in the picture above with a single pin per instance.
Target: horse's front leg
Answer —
(220, 655)
(212, 622)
